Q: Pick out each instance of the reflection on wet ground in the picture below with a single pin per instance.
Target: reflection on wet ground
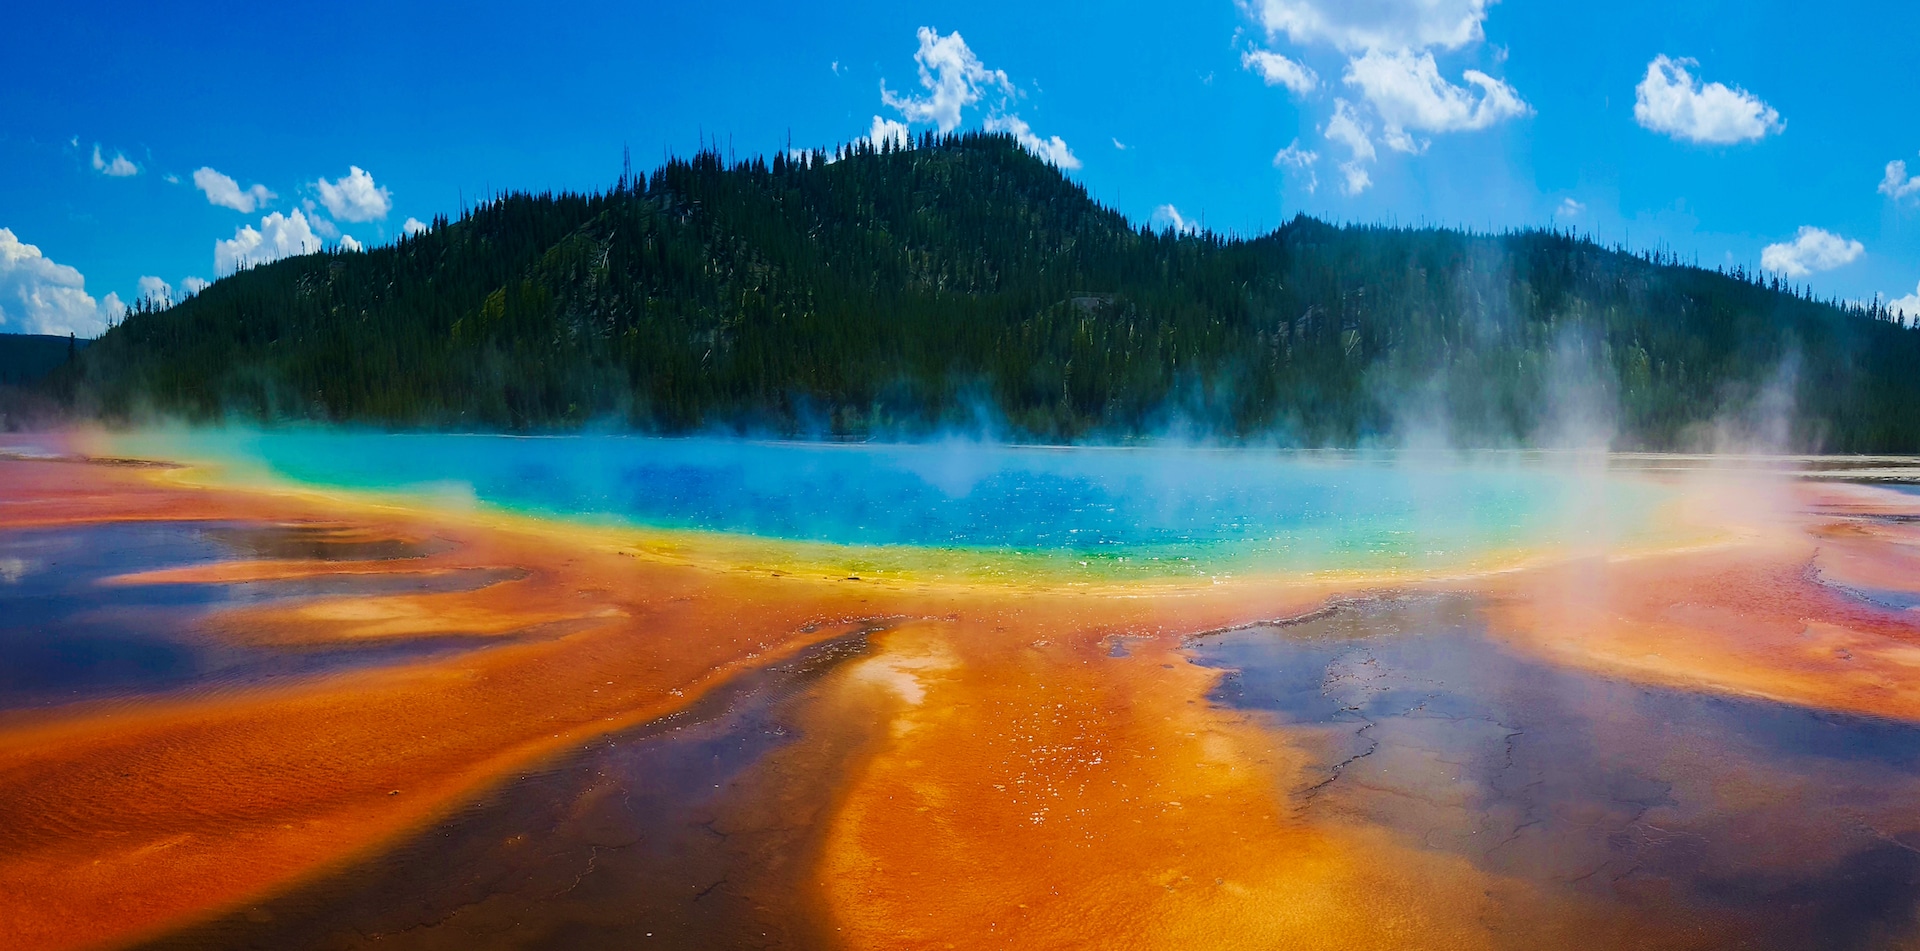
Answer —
(1748, 824)
(316, 542)
(684, 752)
(693, 831)
(71, 629)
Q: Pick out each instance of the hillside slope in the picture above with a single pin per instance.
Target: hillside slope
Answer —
(896, 292)
(26, 358)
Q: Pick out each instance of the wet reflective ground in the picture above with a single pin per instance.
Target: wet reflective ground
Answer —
(254, 719)
(693, 831)
(71, 628)
(1753, 824)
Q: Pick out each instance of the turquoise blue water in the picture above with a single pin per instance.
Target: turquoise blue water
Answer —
(1172, 507)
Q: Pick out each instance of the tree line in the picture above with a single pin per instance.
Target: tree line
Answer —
(896, 290)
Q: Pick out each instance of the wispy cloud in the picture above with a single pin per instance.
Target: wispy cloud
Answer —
(117, 167)
(1301, 161)
(1357, 25)
(1167, 216)
(1052, 148)
(1278, 70)
(1345, 128)
(224, 191)
(1897, 184)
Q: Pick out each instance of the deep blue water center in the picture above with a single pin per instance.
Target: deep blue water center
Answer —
(1165, 504)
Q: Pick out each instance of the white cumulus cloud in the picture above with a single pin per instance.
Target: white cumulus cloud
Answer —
(347, 243)
(1812, 249)
(1354, 25)
(1908, 306)
(1278, 70)
(1408, 92)
(1671, 101)
(116, 167)
(39, 296)
(1390, 47)
(890, 130)
(156, 290)
(227, 193)
(413, 226)
(193, 285)
(1167, 216)
(1300, 160)
(355, 197)
(1052, 148)
(953, 77)
(278, 236)
(1897, 184)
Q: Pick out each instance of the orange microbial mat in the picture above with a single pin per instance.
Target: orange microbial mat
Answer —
(695, 695)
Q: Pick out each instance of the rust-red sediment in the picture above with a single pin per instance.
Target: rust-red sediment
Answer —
(1028, 789)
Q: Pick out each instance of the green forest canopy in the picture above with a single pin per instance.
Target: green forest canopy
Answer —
(963, 282)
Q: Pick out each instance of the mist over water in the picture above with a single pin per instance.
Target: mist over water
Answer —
(1520, 693)
(1155, 510)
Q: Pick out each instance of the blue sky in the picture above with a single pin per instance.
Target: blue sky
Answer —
(1731, 133)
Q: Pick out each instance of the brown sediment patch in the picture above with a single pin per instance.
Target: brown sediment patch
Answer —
(321, 541)
(75, 458)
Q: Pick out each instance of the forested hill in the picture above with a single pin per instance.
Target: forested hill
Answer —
(26, 358)
(962, 280)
